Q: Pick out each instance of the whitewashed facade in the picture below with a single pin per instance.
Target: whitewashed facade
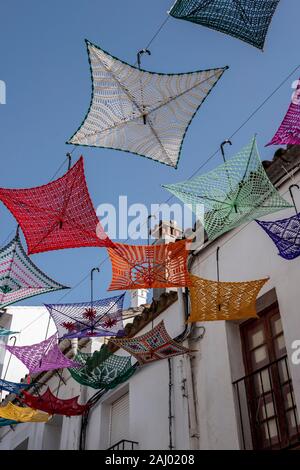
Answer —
(30, 323)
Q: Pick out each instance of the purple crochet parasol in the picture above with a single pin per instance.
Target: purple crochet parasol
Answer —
(285, 233)
(42, 356)
(96, 318)
(289, 130)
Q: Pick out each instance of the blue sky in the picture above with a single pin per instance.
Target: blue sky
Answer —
(43, 61)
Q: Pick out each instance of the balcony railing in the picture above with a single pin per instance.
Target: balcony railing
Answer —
(266, 407)
(124, 445)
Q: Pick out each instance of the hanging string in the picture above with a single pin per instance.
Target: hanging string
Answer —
(47, 349)
(8, 276)
(7, 238)
(48, 326)
(291, 176)
(157, 32)
(58, 169)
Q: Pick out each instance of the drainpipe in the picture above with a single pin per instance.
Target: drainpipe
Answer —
(171, 415)
(192, 405)
(183, 307)
(194, 435)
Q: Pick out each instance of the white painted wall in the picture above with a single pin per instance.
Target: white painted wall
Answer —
(245, 254)
(32, 323)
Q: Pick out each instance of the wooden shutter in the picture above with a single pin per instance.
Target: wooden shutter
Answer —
(119, 419)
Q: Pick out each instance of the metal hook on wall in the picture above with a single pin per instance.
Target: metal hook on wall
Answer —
(92, 279)
(292, 195)
(149, 225)
(226, 142)
(218, 269)
(69, 156)
(4, 377)
(218, 275)
(139, 55)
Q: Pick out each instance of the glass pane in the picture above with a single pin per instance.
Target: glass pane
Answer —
(269, 429)
(283, 372)
(288, 400)
(279, 344)
(276, 325)
(267, 410)
(291, 418)
(259, 356)
(256, 338)
(262, 382)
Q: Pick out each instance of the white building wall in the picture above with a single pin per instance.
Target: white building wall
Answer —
(149, 398)
(32, 323)
(246, 253)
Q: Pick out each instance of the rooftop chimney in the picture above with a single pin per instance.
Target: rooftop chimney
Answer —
(165, 232)
(138, 297)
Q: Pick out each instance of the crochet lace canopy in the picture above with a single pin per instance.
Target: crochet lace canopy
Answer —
(149, 266)
(97, 358)
(49, 403)
(285, 234)
(235, 192)
(101, 318)
(42, 356)
(152, 346)
(141, 112)
(23, 415)
(12, 387)
(289, 130)
(57, 215)
(212, 300)
(20, 278)
(102, 371)
(248, 20)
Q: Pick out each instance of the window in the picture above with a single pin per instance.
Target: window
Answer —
(271, 403)
(119, 420)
